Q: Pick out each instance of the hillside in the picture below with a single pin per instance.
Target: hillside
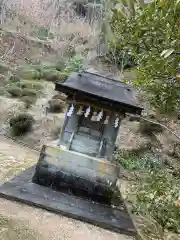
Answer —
(42, 42)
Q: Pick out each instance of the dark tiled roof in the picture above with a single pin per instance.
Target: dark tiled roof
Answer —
(101, 86)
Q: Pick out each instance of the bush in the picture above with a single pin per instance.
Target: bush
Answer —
(56, 106)
(133, 161)
(51, 74)
(30, 92)
(63, 76)
(48, 65)
(15, 91)
(28, 73)
(60, 66)
(2, 91)
(75, 64)
(44, 34)
(158, 195)
(21, 124)
(31, 84)
(14, 78)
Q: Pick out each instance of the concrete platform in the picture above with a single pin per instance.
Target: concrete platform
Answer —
(21, 188)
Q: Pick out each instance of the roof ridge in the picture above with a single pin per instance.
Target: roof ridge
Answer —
(113, 80)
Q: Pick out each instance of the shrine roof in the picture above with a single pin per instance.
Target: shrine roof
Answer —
(100, 86)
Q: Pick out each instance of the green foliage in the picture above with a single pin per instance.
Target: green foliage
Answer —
(157, 195)
(24, 88)
(14, 79)
(151, 35)
(75, 64)
(60, 65)
(48, 65)
(30, 84)
(2, 91)
(134, 162)
(44, 34)
(30, 92)
(63, 76)
(27, 72)
(14, 90)
(51, 74)
(21, 124)
(121, 57)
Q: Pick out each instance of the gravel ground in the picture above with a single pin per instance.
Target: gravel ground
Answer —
(45, 225)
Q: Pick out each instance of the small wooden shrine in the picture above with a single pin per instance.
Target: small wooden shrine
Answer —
(97, 104)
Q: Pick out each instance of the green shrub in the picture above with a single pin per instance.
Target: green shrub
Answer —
(29, 101)
(21, 124)
(2, 91)
(51, 74)
(63, 76)
(133, 161)
(56, 106)
(14, 78)
(14, 90)
(31, 84)
(157, 195)
(44, 34)
(48, 65)
(60, 66)
(30, 92)
(75, 64)
(28, 73)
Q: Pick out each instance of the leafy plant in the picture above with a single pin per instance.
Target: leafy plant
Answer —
(150, 34)
(134, 162)
(30, 92)
(63, 76)
(21, 124)
(27, 72)
(30, 84)
(51, 75)
(14, 91)
(14, 78)
(44, 34)
(75, 64)
(158, 195)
